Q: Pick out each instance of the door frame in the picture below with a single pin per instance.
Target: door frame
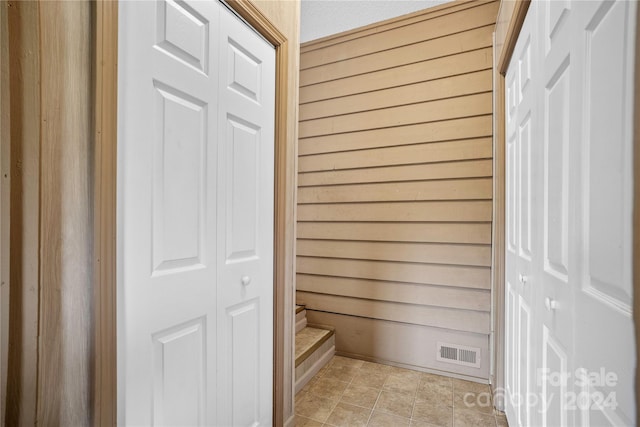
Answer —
(509, 23)
(511, 15)
(105, 199)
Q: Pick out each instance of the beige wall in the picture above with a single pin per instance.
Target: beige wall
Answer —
(395, 185)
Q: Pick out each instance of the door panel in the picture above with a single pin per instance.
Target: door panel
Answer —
(195, 196)
(245, 274)
(569, 179)
(179, 375)
(522, 250)
(179, 181)
(603, 297)
(554, 387)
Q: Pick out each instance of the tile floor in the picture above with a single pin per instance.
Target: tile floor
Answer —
(352, 393)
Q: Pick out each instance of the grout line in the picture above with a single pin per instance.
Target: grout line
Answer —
(415, 397)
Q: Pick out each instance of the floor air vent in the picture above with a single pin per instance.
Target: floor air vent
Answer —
(458, 354)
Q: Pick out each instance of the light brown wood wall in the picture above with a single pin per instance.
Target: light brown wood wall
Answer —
(395, 171)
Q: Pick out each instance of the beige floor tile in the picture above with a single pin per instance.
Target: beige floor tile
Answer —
(340, 361)
(342, 373)
(433, 378)
(322, 371)
(375, 367)
(329, 388)
(315, 407)
(435, 389)
(370, 379)
(301, 395)
(307, 422)
(345, 415)
(469, 418)
(418, 423)
(433, 413)
(479, 402)
(308, 385)
(399, 404)
(464, 386)
(381, 419)
(404, 373)
(501, 420)
(401, 384)
(360, 395)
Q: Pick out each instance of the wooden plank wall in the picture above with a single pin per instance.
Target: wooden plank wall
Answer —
(395, 172)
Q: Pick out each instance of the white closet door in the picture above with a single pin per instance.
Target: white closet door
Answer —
(186, 181)
(245, 224)
(576, 304)
(523, 174)
(557, 272)
(604, 336)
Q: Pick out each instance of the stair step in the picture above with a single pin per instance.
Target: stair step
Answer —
(308, 340)
(301, 320)
(315, 346)
(299, 308)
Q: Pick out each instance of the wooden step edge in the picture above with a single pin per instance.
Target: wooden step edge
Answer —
(320, 326)
(303, 356)
(299, 308)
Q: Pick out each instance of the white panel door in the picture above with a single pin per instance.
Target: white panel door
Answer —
(605, 337)
(557, 278)
(576, 302)
(523, 220)
(178, 215)
(245, 225)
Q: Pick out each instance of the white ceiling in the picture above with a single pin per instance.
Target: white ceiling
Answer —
(320, 18)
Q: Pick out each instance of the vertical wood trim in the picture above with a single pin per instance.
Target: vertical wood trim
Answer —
(24, 77)
(636, 210)
(5, 194)
(498, 237)
(512, 33)
(106, 108)
(65, 353)
(514, 25)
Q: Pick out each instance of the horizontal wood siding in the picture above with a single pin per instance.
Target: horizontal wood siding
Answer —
(395, 175)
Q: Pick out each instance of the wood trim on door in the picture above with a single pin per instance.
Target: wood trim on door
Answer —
(105, 196)
(510, 20)
(106, 45)
(636, 210)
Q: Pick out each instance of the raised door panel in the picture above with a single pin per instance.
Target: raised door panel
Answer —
(183, 33)
(179, 180)
(525, 352)
(243, 170)
(608, 161)
(554, 379)
(179, 356)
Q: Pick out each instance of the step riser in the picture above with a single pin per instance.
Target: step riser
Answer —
(301, 320)
(316, 361)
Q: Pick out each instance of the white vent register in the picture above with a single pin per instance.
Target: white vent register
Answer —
(458, 354)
